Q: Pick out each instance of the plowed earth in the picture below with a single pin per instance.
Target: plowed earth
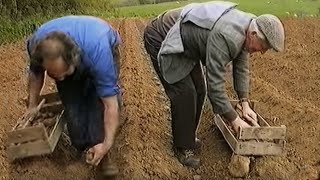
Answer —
(286, 85)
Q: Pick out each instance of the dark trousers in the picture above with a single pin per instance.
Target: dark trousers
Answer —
(186, 98)
(83, 110)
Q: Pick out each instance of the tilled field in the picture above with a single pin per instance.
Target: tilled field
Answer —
(286, 85)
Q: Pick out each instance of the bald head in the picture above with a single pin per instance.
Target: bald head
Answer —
(53, 45)
(56, 53)
(49, 49)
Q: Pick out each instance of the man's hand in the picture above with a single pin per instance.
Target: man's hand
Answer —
(111, 121)
(237, 123)
(96, 153)
(31, 112)
(248, 113)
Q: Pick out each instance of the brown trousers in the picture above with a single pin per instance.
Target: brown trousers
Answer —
(186, 97)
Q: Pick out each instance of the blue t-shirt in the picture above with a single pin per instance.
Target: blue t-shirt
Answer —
(95, 38)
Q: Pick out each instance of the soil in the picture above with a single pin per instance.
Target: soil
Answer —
(239, 166)
(286, 85)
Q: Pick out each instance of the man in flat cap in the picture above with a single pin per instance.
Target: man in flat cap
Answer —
(81, 54)
(182, 41)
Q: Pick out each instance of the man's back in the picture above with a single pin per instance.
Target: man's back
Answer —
(88, 33)
(95, 40)
(83, 29)
(161, 25)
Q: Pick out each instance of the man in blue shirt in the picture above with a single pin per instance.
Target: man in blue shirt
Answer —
(80, 53)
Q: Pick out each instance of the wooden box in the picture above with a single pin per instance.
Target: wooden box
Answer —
(39, 138)
(263, 140)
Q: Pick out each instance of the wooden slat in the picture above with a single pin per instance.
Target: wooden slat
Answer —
(27, 134)
(264, 133)
(53, 103)
(50, 97)
(29, 120)
(261, 120)
(259, 148)
(56, 132)
(55, 107)
(29, 149)
(253, 105)
(227, 134)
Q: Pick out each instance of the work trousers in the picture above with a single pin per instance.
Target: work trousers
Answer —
(186, 98)
(84, 111)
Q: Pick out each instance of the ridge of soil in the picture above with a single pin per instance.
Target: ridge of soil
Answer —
(286, 85)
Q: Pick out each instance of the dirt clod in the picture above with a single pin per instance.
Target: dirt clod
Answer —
(196, 177)
(239, 166)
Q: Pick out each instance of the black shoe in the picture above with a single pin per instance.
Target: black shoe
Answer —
(186, 157)
(198, 144)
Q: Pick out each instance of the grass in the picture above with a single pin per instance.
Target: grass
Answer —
(150, 9)
(281, 7)
(276, 7)
(12, 30)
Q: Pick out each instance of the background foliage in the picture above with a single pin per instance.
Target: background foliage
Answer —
(18, 17)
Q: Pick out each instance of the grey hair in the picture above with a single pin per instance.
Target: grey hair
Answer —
(66, 48)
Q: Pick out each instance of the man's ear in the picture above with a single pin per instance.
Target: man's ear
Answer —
(253, 33)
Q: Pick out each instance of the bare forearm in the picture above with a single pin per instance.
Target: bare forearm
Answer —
(34, 87)
(111, 123)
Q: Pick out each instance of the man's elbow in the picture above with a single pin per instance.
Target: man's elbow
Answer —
(111, 104)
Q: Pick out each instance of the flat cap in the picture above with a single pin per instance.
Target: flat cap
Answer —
(273, 30)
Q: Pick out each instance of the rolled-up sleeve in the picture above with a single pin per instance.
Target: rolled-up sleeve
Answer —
(241, 75)
(217, 56)
(104, 71)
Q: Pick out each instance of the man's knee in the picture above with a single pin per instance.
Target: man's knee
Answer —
(183, 91)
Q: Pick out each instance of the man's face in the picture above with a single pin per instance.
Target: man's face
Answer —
(57, 68)
(256, 44)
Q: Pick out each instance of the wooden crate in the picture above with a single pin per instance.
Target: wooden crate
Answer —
(263, 140)
(36, 139)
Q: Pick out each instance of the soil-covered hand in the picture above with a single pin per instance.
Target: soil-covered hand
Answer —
(31, 113)
(248, 113)
(237, 123)
(96, 153)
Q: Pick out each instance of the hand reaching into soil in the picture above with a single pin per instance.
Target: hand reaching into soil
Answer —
(96, 153)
